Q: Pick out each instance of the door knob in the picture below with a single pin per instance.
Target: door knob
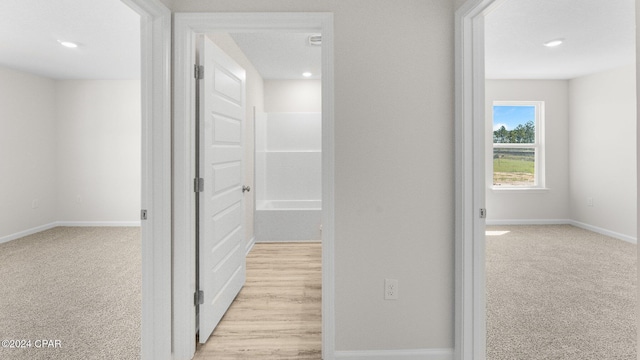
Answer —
(246, 188)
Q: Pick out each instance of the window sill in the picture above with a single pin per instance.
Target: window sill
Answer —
(520, 189)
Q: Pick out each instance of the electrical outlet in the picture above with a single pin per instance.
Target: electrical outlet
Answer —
(590, 201)
(390, 289)
(35, 204)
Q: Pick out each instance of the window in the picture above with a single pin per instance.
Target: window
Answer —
(518, 146)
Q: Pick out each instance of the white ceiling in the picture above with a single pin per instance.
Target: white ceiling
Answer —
(280, 55)
(599, 35)
(107, 31)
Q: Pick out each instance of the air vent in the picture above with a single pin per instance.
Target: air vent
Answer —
(315, 40)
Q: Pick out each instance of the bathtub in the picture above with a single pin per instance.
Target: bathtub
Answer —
(288, 220)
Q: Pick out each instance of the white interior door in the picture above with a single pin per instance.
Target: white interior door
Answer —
(221, 209)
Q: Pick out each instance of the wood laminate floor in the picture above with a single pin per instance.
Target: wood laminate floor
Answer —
(277, 315)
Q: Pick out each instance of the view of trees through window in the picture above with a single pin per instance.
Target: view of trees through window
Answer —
(514, 145)
(523, 133)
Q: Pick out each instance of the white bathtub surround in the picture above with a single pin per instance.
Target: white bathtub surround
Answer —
(294, 132)
(292, 176)
(288, 157)
(293, 220)
(288, 177)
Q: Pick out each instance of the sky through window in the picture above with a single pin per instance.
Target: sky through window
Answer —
(512, 116)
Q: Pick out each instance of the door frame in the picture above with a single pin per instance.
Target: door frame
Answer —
(470, 313)
(186, 27)
(155, 87)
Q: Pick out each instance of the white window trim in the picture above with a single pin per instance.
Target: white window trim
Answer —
(539, 146)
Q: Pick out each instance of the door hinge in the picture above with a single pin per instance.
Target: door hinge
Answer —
(198, 185)
(483, 213)
(198, 71)
(143, 214)
(198, 297)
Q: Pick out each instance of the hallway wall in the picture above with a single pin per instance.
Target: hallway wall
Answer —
(394, 168)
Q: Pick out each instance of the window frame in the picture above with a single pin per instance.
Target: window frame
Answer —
(538, 146)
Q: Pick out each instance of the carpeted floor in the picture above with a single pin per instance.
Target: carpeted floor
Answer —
(553, 292)
(560, 292)
(80, 286)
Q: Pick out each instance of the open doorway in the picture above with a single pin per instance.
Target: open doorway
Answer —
(155, 25)
(280, 302)
(187, 27)
(560, 95)
(72, 150)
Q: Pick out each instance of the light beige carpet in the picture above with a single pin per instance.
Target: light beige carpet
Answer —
(560, 292)
(80, 286)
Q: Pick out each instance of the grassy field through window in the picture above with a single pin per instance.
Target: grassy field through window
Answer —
(513, 167)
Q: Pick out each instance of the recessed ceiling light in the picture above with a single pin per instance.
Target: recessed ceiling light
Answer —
(306, 74)
(554, 43)
(68, 44)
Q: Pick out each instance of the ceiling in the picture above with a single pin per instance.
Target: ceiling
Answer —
(279, 55)
(107, 33)
(599, 35)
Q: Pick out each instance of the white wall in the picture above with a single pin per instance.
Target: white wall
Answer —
(254, 99)
(590, 137)
(27, 151)
(394, 166)
(549, 204)
(98, 134)
(602, 150)
(292, 96)
(70, 147)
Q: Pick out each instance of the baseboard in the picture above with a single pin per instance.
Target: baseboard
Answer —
(599, 230)
(287, 241)
(54, 224)
(497, 222)
(250, 244)
(410, 354)
(27, 232)
(98, 223)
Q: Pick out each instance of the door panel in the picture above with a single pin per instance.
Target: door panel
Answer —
(221, 208)
(227, 84)
(226, 129)
(226, 176)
